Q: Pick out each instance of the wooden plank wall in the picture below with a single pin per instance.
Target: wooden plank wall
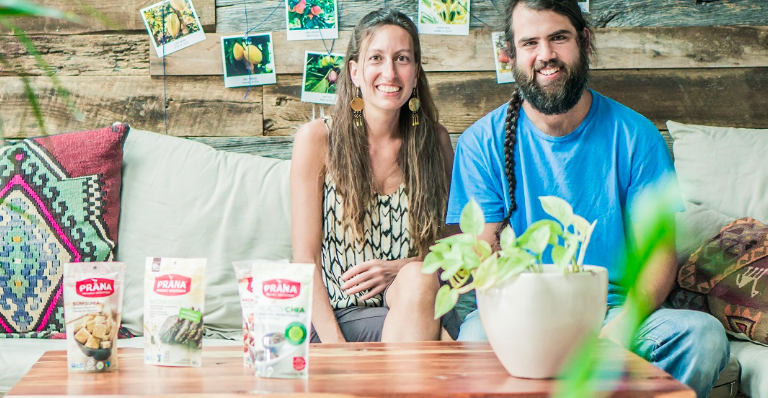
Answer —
(689, 61)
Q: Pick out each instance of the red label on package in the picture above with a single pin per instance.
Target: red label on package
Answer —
(95, 287)
(250, 284)
(299, 363)
(281, 288)
(172, 285)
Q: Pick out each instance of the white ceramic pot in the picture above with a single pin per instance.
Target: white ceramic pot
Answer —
(533, 321)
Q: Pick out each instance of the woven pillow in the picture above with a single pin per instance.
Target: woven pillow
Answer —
(727, 278)
(59, 202)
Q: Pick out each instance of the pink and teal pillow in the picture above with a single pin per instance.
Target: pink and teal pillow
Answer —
(59, 203)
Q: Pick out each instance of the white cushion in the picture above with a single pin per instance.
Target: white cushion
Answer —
(723, 169)
(754, 367)
(185, 199)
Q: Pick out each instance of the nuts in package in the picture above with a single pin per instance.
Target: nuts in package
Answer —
(93, 301)
(174, 298)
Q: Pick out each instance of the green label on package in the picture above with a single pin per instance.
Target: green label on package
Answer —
(190, 315)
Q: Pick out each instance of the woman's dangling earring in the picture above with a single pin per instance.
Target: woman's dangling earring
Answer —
(357, 105)
(413, 105)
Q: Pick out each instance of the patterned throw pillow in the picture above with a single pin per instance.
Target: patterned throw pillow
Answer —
(59, 202)
(727, 278)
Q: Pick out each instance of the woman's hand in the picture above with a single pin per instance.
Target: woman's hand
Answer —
(372, 275)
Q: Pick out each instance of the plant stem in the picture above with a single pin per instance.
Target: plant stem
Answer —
(469, 287)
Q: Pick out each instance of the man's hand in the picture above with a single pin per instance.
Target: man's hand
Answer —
(373, 275)
(617, 331)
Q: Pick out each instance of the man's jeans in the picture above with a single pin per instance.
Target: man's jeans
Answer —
(689, 345)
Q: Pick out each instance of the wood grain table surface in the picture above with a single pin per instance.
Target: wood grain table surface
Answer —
(427, 369)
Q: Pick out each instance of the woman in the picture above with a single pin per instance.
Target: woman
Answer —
(368, 191)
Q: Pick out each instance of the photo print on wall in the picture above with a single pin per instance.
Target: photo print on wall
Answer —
(248, 61)
(172, 25)
(321, 73)
(311, 19)
(444, 17)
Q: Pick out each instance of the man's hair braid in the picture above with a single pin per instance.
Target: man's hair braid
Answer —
(510, 131)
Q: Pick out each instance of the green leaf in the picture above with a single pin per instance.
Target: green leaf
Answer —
(485, 275)
(23, 8)
(555, 230)
(585, 242)
(432, 262)
(538, 240)
(320, 87)
(560, 256)
(446, 299)
(508, 238)
(452, 262)
(469, 258)
(472, 220)
(459, 239)
(484, 249)
(514, 262)
(440, 247)
(557, 208)
(580, 224)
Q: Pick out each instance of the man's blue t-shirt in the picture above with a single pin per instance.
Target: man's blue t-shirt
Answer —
(599, 169)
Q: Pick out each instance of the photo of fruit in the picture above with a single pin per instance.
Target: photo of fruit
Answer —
(248, 60)
(312, 14)
(444, 17)
(170, 21)
(311, 19)
(248, 56)
(449, 12)
(321, 75)
(322, 72)
(501, 58)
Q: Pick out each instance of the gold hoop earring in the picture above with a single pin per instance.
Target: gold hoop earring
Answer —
(357, 106)
(414, 105)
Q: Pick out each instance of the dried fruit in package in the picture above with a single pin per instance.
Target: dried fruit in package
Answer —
(93, 301)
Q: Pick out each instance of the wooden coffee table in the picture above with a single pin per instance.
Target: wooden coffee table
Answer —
(427, 369)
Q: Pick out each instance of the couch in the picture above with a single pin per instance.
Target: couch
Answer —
(184, 199)
(723, 177)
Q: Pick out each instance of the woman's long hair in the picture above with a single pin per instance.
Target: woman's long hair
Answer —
(421, 158)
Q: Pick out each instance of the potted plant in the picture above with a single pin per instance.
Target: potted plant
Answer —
(533, 313)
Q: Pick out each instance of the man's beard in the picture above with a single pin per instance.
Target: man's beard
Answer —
(561, 95)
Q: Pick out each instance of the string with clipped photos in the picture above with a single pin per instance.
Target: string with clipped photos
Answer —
(165, 94)
(247, 40)
(328, 53)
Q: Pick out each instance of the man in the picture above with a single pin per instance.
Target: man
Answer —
(555, 137)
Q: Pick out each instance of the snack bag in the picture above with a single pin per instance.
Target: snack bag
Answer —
(93, 302)
(282, 312)
(174, 298)
(247, 297)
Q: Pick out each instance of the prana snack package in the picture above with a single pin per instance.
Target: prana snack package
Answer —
(93, 302)
(282, 312)
(174, 298)
(245, 288)
(243, 270)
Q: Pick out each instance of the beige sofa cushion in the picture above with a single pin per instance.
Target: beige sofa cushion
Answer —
(722, 168)
(185, 199)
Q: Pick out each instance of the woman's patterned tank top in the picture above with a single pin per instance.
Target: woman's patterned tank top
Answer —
(386, 237)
